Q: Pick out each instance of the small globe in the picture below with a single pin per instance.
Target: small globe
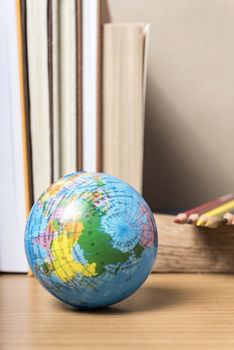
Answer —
(91, 240)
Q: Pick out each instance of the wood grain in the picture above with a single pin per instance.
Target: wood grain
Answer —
(185, 248)
(171, 311)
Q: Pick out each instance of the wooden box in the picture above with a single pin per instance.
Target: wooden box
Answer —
(186, 248)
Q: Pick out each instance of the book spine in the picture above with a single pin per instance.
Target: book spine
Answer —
(79, 137)
(24, 102)
(124, 76)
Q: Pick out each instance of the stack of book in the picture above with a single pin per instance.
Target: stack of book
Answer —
(74, 93)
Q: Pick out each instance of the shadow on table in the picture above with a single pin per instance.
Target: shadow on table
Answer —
(148, 298)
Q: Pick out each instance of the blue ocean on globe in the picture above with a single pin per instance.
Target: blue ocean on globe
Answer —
(91, 240)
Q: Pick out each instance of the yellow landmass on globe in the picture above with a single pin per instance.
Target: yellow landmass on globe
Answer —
(64, 265)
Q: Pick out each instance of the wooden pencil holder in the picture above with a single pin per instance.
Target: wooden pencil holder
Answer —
(186, 248)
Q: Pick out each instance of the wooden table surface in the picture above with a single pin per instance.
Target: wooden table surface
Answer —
(170, 311)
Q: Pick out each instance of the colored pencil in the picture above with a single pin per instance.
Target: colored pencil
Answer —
(213, 222)
(185, 216)
(215, 214)
(228, 218)
(192, 219)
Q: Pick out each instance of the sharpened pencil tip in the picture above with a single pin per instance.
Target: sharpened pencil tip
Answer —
(181, 218)
(211, 225)
(201, 223)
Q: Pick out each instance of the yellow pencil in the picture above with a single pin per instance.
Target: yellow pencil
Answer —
(222, 209)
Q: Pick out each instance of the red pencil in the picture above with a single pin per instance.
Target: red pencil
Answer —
(183, 217)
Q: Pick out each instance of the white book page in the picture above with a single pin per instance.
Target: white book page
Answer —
(39, 94)
(68, 86)
(12, 204)
(89, 39)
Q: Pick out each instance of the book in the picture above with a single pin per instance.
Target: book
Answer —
(79, 84)
(25, 103)
(50, 74)
(64, 60)
(185, 107)
(54, 92)
(37, 38)
(67, 85)
(91, 78)
(14, 175)
(124, 76)
(54, 70)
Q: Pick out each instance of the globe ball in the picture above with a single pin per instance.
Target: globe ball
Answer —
(91, 240)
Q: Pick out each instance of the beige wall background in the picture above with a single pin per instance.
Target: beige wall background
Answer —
(189, 125)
